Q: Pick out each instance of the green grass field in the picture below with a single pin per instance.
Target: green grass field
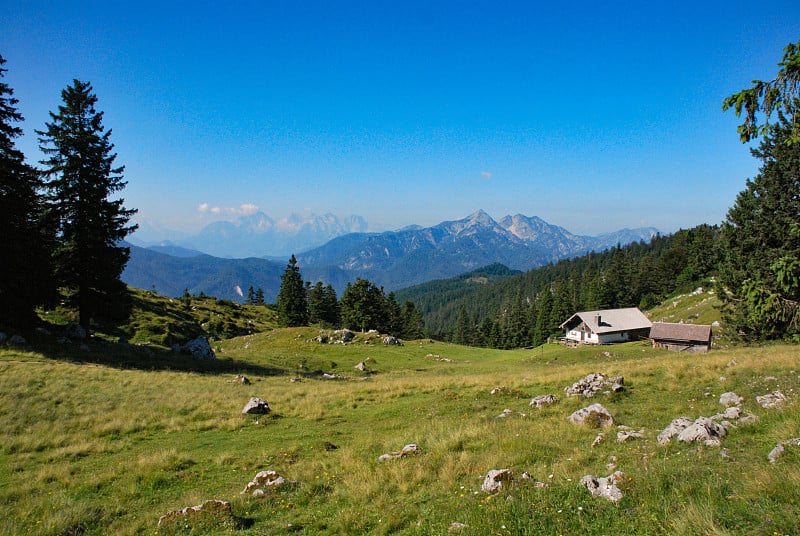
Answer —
(107, 441)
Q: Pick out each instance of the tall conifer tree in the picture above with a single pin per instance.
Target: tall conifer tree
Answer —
(25, 280)
(292, 297)
(81, 178)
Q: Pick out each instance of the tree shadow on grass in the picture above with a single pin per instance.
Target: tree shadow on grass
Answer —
(97, 351)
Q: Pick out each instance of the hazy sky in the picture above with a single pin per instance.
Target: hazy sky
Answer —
(591, 115)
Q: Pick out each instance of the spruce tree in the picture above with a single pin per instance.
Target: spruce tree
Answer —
(292, 298)
(81, 177)
(412, 321)
(760, 272)
(251, 296)
(25, 280)
(362, 306)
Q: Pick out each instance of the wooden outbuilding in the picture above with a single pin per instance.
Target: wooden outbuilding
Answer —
(681, 337)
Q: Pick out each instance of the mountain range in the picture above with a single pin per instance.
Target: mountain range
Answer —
(392, 259)
(258, 235)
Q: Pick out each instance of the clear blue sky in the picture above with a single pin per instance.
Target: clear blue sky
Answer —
(591, 115)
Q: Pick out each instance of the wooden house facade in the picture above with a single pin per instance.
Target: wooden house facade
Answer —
(681, 337)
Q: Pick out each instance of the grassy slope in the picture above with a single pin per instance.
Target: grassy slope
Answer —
(106, 441)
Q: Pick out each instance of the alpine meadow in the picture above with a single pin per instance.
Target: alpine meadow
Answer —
(500, 401)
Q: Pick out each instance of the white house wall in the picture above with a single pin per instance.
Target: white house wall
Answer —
(608, 338)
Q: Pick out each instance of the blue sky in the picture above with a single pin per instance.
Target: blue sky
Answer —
(592, 115)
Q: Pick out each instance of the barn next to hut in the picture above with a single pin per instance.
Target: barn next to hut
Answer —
(681, 337)
(606, 326)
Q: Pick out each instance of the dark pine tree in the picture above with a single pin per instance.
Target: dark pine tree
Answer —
(81, 178)
(251, 296)
(292, 298)
(760, 272)
(362, 306)
(412, 322)
(25, 280)
(394, 321)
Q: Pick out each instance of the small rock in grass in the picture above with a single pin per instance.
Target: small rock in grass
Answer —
(493, 482)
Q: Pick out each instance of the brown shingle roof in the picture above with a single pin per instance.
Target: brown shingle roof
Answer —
(680, 332)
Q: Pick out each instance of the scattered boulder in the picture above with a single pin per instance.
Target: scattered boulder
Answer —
(730, 399)
(322, 339)
(605, 487)
(456, 527)
(346, 335)
(594, 383)
(705, 430)
(390, 341)
(780, 448)
(543, 400)
(772, 400)
(500, 391)
(256, 406)
(598, 439)
(214, 509)
(595, 416)
(200, 348)
(732, 412)
(675, 427)
(262, 481)
(361, 366)
(625, 434)
(411, 448)
(493, 482)
(748, 418)
(241, 379)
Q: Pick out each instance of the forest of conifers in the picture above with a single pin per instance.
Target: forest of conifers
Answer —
(525, 309)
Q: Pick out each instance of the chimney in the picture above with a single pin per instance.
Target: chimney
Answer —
(597, 320)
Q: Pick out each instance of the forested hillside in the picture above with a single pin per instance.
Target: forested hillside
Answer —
(525, 309)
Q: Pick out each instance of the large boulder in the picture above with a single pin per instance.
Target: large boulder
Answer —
(200, 348)
(256, 406)
(675, 427)
(705, 430)
(595, 416)
(605, 487)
